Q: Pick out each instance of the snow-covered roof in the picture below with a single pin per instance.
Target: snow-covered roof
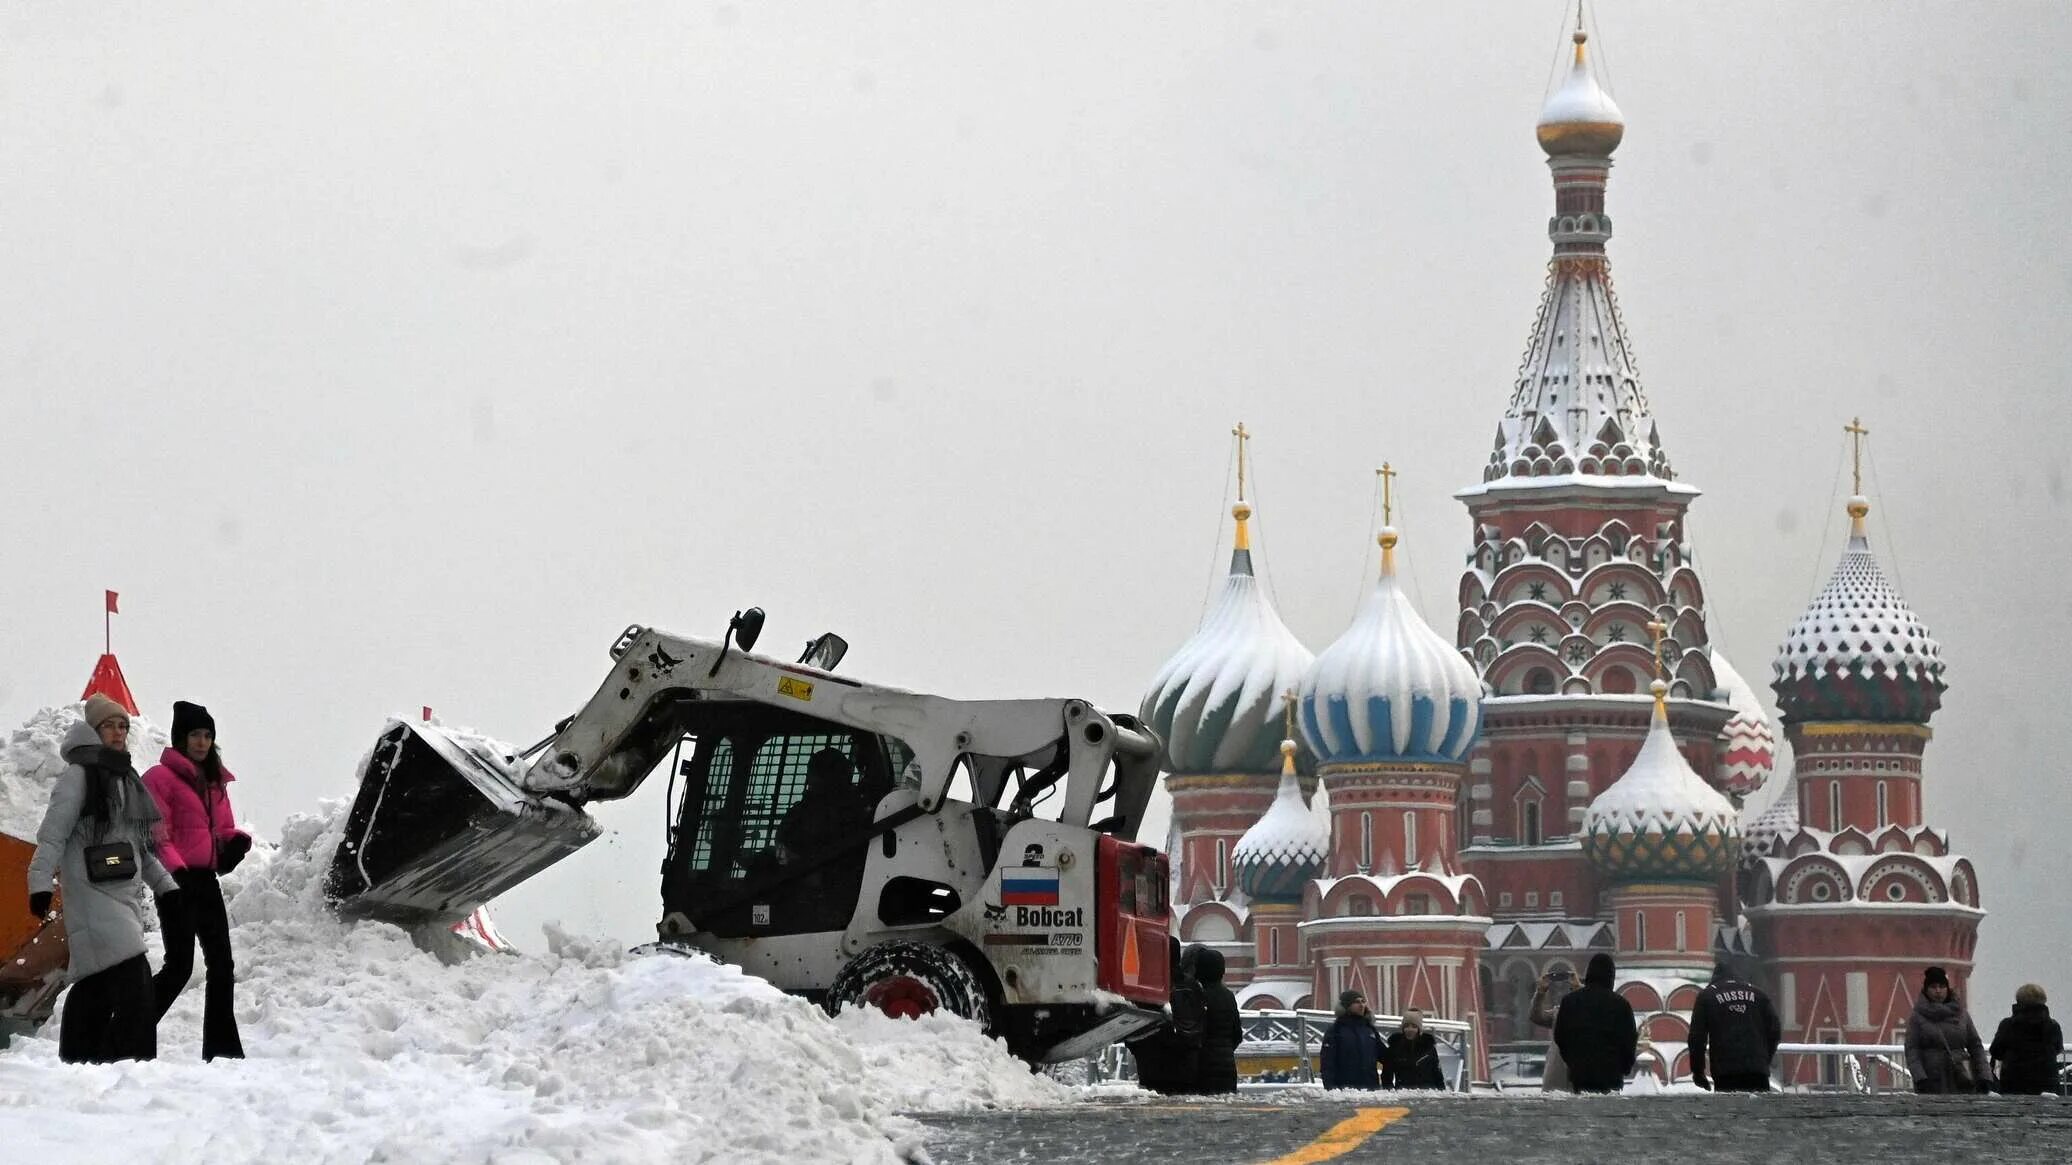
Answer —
(1766, 834)
(1660, 818)
(1216, 702)
(1859, 652)
(1390, 688)
(1288, 991)
(1580, 117)
(1286, 846)
(1546, 936)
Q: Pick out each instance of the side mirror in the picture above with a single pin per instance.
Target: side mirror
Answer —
(825, 652)
(747, 627)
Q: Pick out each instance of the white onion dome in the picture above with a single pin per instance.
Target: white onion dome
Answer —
(1660, 821)
(1390, 689)
(1748, 745)
(1858, 652)
(1580, 117)
(1216, 702)
(1286, 847)
(1768, 832)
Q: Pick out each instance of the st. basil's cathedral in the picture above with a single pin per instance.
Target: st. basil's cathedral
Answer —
(1437, 823)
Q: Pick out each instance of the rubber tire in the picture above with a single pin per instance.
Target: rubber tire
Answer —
(900, 967)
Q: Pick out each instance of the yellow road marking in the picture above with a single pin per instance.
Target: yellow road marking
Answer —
(1343, 1137)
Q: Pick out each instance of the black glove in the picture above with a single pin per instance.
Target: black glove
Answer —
(39, 904)
(231, 852)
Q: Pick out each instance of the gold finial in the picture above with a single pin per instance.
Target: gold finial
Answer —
(1388, 537)
(1288, 741)
(1243, 509)
(1660, 687)
(1579, 36)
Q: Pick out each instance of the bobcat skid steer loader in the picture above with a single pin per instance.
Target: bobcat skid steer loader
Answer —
(859, 845)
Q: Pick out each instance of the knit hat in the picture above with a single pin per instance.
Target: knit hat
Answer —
(1347, 998)
(100, 709)
(188, 718)
(1933, 977)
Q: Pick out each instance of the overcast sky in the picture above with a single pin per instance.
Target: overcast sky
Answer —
(388, 354)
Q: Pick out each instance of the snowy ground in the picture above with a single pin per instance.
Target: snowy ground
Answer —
(364, 1048)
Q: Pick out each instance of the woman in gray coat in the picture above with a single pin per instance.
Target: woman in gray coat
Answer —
(100, 801)
(1944, 1053)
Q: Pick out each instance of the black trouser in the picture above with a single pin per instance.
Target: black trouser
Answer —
(108, 1016)
(1741, 1082)
(196, 914)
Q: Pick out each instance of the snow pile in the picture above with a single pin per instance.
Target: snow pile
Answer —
(30, 764)
(365, 1048)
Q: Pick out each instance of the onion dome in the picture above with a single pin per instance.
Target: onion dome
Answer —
(1858, 652)
(1214, 703)
(1286, 847)
(1580, 117)
(1768, 832)
(1660, 820)
(1390, 689)
(1748, 747)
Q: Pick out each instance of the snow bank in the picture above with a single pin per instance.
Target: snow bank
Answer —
(364, 1048)
(30, 764)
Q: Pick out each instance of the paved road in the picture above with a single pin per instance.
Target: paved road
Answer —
(1501, 1130)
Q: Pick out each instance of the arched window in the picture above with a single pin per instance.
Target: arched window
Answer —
(1640, 931)
(1683, 937)
(1884, 817)
(1617, 681)
(1409, 837)
(1529, 829)
(1366, 841)
(1273, 945)
(1834, 806)
(1539, 682)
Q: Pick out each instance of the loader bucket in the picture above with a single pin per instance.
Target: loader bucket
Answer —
(441, 826)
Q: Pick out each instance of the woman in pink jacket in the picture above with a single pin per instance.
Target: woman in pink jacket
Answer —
(198, 840)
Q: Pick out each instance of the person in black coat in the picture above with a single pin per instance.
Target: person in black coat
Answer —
(1351, 1052)
(1596, 1032)
(1216, 1070)
(2027, 1046)
(1736, 1026)
(1167, 1053)
(1411, 1059)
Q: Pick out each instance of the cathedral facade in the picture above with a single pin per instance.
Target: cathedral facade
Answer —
(1437, 821)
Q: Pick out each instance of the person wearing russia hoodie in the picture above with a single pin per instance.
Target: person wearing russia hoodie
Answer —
(1736, 1024)
(198, 840)
(95, 845)
(2027, 1046)
(1351, 1051)
(1944, 1053)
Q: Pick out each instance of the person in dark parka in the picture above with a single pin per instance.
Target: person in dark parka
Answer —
(1734, 1029)
(1596, 1032)
(1351, 1052)
(1167, 1053)
(2027, 1046)
(1411, 1059)
(1944, 1053)
(1216, 1070)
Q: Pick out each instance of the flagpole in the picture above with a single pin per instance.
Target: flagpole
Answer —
(107, 630)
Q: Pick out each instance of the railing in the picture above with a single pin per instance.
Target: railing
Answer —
(1850, 1068)
(1280, 1050)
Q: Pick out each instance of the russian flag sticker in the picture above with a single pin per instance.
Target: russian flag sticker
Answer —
(1029, 886)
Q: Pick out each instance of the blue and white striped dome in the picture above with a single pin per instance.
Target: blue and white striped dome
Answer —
(1390, 689)
(1217, 702)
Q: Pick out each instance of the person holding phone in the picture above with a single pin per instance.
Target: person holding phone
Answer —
(1554, 1076)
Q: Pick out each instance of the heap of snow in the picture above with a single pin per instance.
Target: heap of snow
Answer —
(364, 1047)
(30, 764)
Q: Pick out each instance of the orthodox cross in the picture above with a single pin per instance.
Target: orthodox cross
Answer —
(1388, 508)
(1288, 703)
(1856, 433)
(1242, 437)
(1658, 629)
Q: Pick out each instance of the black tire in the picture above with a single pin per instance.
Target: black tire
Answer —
(905, 979)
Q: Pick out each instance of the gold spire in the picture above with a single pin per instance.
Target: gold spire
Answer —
(1388, 538)
(1288, 741)
(1242, 511)
(1658, 630)
(1859, 506)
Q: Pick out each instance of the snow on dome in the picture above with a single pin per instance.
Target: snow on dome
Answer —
(1748, 745)
(1775, 824)
(1660, 819)
(1580, 117)
(30, 763)
(1390, 689)
(1216, 702)
(1286, 847)
(1858, 652)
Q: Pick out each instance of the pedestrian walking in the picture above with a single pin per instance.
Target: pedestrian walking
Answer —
(1216, 1070)
(1167, 1054)
(198, 841)
(1411, 1059)
(95, 844)
(2026, 1048)
(1944, 1053)
(1596, 1032)
(1734, 1028)
(1352, 1049)
(1554, 1072)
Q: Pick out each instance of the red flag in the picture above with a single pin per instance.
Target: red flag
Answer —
(428, 714)
(111, 604)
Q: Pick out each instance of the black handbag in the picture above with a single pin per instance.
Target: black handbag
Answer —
(115, 861)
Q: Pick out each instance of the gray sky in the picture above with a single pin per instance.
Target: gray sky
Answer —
(394, 354)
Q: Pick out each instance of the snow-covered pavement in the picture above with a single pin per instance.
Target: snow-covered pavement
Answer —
(364, 1048)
